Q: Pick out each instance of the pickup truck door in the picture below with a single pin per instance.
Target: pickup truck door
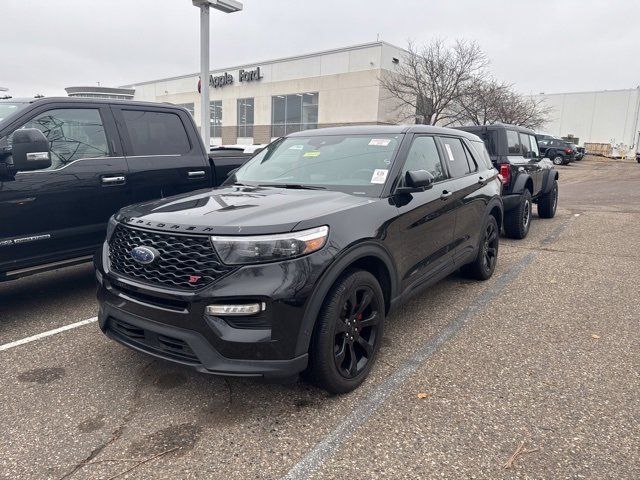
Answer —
(61, 212)
(163, 150)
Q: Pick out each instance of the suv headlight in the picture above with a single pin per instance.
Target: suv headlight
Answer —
(238, 250)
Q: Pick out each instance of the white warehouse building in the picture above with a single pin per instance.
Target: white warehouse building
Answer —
(607, 116)
(256, 102)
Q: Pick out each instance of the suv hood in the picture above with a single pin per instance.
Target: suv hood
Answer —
(238, 210)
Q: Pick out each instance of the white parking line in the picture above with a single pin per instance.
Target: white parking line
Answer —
(39, 336)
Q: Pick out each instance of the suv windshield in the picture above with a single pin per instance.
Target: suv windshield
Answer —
(7, 108)
(355, 164)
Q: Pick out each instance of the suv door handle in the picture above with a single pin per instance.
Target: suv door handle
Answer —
(482, 181)
(445, 194)
(108, 181)
(196, 174)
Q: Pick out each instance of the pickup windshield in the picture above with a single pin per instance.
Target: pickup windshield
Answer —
(7, 108)
(355, 164)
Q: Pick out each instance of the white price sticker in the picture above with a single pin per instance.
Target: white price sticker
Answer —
(380, 142)
(449, 152)
(379, 175)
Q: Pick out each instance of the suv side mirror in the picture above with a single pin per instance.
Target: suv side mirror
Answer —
(416, 181)
(30, 150)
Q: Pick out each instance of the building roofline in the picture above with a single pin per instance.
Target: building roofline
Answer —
(587, 91)
(359, 46)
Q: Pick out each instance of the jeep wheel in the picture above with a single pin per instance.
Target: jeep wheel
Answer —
(518, 219)
(348, 332)
(548, 203)
(485, 262)
(558, 160)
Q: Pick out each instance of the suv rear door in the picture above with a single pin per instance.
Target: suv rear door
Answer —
(531, 154)
(61, 212)
(164, 154)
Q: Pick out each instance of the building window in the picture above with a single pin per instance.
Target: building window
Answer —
(215, 118)
(292, 113)
(245, 117)
(187, 106)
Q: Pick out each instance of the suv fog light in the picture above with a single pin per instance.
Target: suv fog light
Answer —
(236, 309)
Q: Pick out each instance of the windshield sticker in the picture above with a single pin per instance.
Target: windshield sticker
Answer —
(449, 152)
(380, 142)
(379, 175)
(313, 153)
(296, 147)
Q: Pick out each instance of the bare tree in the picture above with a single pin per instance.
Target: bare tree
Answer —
(429, 80)
(485, 101)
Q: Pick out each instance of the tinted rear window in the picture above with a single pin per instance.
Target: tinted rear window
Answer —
(513, 142)
(156, 133)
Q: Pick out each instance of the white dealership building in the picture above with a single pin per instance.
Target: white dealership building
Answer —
(256, 102)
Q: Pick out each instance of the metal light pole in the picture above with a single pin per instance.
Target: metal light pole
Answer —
(226, 6)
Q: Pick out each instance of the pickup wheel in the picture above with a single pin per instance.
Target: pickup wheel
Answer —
(518, 220)
(486, 259)
(558, 160)
(548, 203)
(348, 332)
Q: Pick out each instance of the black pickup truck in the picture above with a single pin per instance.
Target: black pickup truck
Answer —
(527, 177)
(68, 164)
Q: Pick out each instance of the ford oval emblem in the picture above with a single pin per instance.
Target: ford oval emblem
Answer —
(144, 255)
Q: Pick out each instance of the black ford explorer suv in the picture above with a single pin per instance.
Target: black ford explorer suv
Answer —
(68, 164)
(526, 177)
(296, 261)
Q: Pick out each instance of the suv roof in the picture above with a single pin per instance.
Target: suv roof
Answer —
(496, 126)
(384, 130)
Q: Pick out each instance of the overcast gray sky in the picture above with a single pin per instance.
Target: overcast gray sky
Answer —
(540, 46)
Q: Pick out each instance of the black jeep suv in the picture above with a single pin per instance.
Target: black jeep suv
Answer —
(526, 177)
(296, 261)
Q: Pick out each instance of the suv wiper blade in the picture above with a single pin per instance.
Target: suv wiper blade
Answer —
(296, 186)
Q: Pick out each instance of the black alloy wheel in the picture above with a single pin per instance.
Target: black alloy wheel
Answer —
(356, 330)
(486, 259)
(347, 334)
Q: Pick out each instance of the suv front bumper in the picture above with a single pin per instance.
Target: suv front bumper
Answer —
(174, 325)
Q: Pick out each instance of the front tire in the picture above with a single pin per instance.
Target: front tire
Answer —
(348, 331)
(548, 203)
(484, 264)
(558, 160)
(518, 220)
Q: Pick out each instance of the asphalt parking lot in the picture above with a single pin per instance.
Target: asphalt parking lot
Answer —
(544, 358)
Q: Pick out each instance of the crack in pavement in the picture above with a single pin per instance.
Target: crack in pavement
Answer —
(117, 433)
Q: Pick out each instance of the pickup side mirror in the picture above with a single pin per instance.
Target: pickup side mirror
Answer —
(416, 181)
(30, 150)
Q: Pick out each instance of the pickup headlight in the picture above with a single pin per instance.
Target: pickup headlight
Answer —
(239, 250)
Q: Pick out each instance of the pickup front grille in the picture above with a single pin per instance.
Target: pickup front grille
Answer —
(185, 262)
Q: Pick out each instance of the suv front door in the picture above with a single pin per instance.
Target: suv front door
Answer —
(426, 219)
(467, 182)
(61, 212)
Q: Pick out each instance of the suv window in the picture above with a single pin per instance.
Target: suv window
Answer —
(481, 154)
(73, 133)
(156, 133)
(423, 155)
(533, 146)
(525, 145)
(513, 142)
(457, 158)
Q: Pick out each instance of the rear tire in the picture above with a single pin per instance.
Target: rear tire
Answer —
(548, 203)
(348, 331)
(518, 220)
(484, 264)
(558, 160)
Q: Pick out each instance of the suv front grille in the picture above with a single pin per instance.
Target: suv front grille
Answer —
(182, 258)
